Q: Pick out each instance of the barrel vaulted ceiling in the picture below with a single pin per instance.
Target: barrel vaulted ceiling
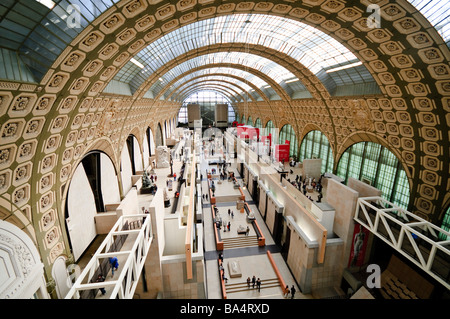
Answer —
(314, 64)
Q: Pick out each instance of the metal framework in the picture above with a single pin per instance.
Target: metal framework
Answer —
(412, 236)
(136, 229)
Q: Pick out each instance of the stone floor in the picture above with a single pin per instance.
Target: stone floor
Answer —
(252, 260)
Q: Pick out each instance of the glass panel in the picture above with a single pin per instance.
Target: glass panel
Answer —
(207, 99)
(445, 225)
(288, 133)
(315, 145)
(377, 164)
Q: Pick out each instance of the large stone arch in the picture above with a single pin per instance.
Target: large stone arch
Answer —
(69, 98)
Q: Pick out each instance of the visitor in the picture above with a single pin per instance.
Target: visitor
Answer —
(248, 282)
(286, 291)
(258, 284)
(114, 264)
(253, 281)
(101, 278)
(292, 292)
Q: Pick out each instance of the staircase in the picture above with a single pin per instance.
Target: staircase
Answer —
(239, 242)
(242, 286)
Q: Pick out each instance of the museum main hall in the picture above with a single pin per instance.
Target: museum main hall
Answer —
(224, 150)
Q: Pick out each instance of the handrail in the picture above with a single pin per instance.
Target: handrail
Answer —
(261, 238)
(219, 243)
(190, 220)
(277, 271)
(222, 282)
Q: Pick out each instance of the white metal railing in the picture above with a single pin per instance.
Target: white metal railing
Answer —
(404, 230)
(132, 256)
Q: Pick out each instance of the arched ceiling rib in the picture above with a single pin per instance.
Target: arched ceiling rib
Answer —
(229, 85)
(248, 87)
(272, 69)
(246, 77)
(210, 87)
(40, 30)
(271, 88)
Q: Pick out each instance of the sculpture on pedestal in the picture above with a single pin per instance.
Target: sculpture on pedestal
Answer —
(147, 185)
(166, 198)
(162, 157)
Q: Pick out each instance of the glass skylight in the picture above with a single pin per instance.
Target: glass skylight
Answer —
(41, 29)
(234, 84)
(246, 76)
(247, 60)
(438, 13)
(313, 48)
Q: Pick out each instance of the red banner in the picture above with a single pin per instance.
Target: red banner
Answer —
(247, 132)
(359, 244)
(282, 153)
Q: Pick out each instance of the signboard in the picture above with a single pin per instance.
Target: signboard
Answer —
(282, 153)
(247, 132)
(267, 140)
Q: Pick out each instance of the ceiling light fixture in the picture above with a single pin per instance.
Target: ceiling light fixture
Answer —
(137, 63)
(48, 3)
(352, 65)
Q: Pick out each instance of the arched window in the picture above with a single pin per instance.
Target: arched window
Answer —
(243, 119)
(249, 121)
(376, 165)
(231, 114)
(288, 133)
(270, 129)
(258, 123)
(315, 145)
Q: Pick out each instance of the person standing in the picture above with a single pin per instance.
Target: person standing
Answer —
(114, 264)
(101, 278)
(229, 226)
(292, 292)
(247, 231)
(258, 284)
(248, 282)
(253, 281)
(286, 291)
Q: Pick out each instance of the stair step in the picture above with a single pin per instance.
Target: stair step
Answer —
(239, 245)
(240, 238)
(240, 242)
(239, 289)
(244, 284)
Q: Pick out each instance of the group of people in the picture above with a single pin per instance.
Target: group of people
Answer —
(288, 291)
(114, 263)
(254, 282)
(302, 184)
